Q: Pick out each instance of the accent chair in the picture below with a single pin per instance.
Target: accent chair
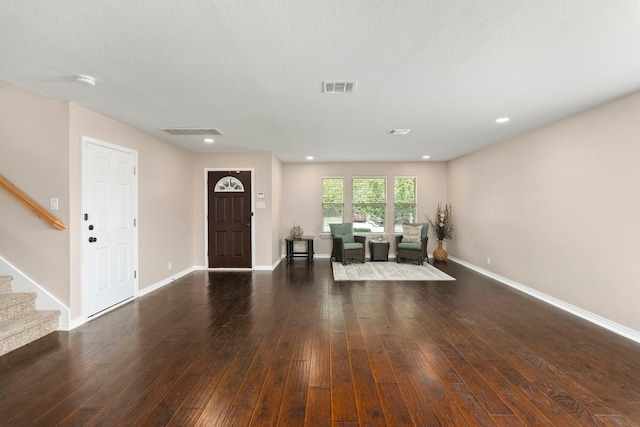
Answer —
(412, 244)
(346, 247)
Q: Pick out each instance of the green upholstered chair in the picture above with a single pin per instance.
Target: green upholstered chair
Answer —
(346, 247)
(413, 251)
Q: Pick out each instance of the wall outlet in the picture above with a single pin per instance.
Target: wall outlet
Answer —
(489, 260)
(169, 266)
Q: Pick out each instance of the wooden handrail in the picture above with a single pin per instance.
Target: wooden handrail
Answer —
(31, 204)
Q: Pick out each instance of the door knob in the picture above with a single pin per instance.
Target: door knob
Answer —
(92, 239)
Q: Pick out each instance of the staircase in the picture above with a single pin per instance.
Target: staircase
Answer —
(20, 322)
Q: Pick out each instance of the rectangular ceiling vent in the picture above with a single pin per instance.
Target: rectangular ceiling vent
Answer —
(399, 131)
(193, 131)
(330, 86)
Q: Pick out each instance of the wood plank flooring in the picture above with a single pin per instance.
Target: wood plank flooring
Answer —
(292, 348)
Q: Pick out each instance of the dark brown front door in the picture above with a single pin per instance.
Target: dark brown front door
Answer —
(229, 201)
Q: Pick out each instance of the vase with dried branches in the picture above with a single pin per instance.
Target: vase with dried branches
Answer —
(443, 230)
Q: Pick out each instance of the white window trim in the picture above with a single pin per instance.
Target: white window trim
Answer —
(235, 185)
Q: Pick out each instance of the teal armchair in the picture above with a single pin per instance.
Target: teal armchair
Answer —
(413, 249)
(346, 247)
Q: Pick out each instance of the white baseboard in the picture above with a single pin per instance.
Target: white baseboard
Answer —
(577, 311)
(74, 323)
(269, 267)
(154, 287)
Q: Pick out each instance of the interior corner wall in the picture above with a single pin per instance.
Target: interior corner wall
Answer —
(34, 156)
(165, 199)
(276, 220)
(557, 210)
(261, 164)
(302, 193)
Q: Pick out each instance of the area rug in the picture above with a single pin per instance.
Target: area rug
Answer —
(387, 271)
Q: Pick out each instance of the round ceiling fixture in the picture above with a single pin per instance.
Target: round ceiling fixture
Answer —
(502, 120)
(86, 80)
(209, 140)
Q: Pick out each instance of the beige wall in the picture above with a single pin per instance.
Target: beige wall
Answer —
(557, 210)
(276, 220)
(302, 193)
(261, 163)
(165, 197)
(34, 138)
(41, 154)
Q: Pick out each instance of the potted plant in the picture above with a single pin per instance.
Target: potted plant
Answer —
(443, 229)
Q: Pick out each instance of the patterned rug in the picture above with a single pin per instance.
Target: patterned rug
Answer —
(387, 271)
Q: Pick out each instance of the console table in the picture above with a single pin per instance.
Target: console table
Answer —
(308, 240)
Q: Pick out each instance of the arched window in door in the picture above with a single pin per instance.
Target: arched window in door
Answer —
(229, 184)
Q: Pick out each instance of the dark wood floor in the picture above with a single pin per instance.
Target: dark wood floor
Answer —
(292, 347)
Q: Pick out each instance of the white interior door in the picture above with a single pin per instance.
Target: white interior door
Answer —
(109, 227)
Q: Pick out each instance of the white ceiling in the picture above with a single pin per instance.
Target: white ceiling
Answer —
(446, 69)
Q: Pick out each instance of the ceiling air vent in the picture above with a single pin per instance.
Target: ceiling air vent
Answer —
(193, 131)
(399, 131)
(338, 87)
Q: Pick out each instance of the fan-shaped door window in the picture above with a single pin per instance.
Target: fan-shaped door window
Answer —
(229, 184)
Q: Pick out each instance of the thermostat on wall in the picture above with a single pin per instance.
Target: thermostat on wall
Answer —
(260, 195)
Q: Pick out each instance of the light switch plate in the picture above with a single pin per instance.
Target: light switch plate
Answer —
(261, 205)
(53, 204)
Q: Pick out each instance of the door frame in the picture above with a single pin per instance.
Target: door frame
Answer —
(206, 217)
(84, 234)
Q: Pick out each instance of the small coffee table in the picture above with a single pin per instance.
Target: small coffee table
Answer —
(379, 250)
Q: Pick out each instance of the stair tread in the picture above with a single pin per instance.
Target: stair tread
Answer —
(16, 325)
(5, 284)
(7, 300)
(20, 322)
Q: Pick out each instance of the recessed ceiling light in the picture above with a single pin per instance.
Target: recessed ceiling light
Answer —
(398, 131)
(86, 80)
(426, 157)
(502, 120)
(209, 140)
(309, 157)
